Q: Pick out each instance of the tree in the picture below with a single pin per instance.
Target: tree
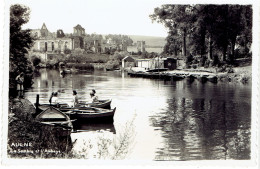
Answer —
(202, 29)
(20, 42)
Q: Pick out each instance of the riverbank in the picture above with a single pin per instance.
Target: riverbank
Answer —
(28, 138)
(237, 75)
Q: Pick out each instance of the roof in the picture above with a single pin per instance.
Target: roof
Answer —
(78, 26)
(128, 59)
(44, 26)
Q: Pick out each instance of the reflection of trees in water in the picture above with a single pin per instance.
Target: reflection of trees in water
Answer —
(202, 129)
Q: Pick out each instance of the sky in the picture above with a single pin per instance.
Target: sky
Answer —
(96, 16)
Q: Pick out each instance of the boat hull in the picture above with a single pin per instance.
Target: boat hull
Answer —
(105, 104)
(99, 116)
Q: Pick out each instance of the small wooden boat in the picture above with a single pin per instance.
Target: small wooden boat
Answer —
(202, 78)
(91, 115)
(157, 70)
(190, 78)
(57, 119)
(105, 104)
(175, 77)
(212, 79)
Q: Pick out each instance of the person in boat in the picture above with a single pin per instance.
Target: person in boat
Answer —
(54, 98)
(19, 80)
(93, 96)
(75, 98)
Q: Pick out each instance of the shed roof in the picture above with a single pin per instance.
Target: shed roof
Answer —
(128, 59)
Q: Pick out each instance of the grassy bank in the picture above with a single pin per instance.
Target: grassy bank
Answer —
(28, 138)
(239, 74)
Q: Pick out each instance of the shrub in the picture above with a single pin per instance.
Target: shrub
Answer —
(67, 51)
(84, 66)
(35, 60)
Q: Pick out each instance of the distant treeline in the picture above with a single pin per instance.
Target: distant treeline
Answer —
(219, 33)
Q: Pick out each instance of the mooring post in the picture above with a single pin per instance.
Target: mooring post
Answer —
(37, 103)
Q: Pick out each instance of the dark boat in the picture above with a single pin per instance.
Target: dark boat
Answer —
(91, 114)
(176, 77)
(212, 79)
(157, 70)
(57, 119)
(202, 78)
(105, 104)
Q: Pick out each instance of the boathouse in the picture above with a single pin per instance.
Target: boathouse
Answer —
(144, 63)
(170, 63)
(128, 62)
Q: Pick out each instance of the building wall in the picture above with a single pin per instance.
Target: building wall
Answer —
(140, 46)
(143, 64)
(53, 44)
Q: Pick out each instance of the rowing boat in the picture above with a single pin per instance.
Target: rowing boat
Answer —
(90, 114)
(105, 104)
(56, 118)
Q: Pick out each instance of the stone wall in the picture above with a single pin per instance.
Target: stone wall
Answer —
(51, 45)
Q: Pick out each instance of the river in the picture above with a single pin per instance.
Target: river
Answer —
(156, 119)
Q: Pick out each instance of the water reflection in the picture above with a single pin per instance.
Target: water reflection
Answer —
(179, 120)
(83, 127)
(204, 129)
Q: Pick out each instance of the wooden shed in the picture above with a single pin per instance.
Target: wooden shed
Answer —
(128, 62)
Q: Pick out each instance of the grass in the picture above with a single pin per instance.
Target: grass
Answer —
(46, 142)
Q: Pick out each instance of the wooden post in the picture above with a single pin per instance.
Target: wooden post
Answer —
(37, 103)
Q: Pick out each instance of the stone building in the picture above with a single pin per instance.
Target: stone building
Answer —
(78, 31)
(140, 46)
(55, 42)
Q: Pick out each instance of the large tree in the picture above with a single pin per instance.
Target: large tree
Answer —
(203, 29)
(20, 42)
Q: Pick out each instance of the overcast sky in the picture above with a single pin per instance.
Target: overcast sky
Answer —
(96, 16)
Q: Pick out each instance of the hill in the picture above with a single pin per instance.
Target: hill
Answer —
(149, 40)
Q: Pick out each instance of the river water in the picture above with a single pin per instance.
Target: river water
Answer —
(156, 119)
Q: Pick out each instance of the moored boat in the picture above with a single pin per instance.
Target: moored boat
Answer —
(157, 70)
(212, 79)
(90, 115)
(105, 104)
(56, 118)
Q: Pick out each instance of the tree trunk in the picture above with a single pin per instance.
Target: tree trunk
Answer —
(210, 49)
(233, 48)
(202, 49)
(184, 42)
(224, 53)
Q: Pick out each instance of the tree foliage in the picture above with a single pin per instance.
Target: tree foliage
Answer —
(20, 42)
(206, 29)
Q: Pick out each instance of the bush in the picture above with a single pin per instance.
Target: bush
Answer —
(67, 51)
(84, 66)
(36, 61)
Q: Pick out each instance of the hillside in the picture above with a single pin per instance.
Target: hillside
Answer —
(149, 40)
